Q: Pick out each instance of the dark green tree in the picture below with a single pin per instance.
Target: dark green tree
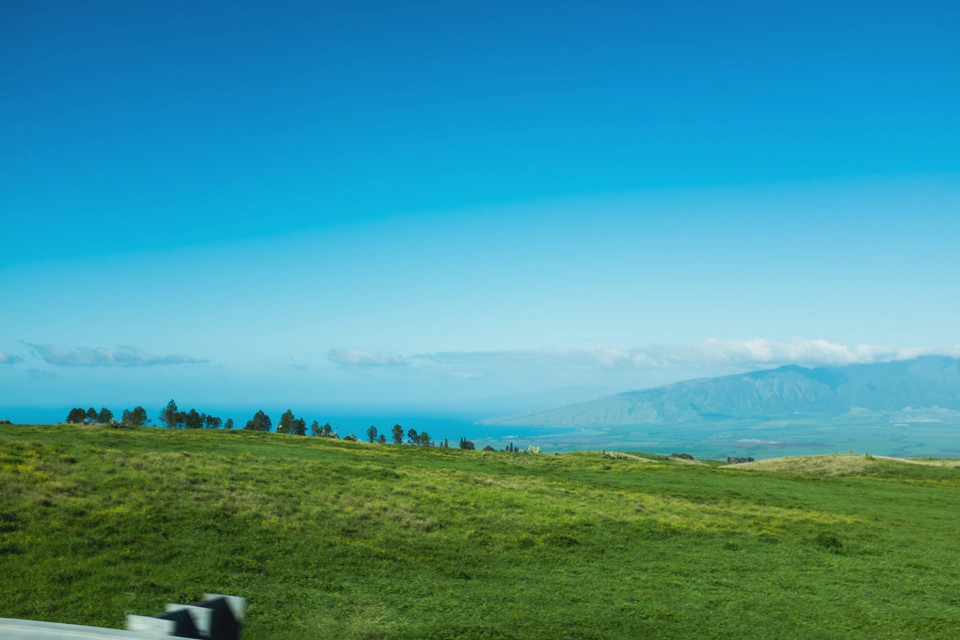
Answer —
(424, 440)
(105, 417)
(168, 415)
(76, 416)
(372, 434)
(212, 422)
(228, 424)
(287, 421)
(327, 431)
(193, 420)
(136, 418)
(397, 434)
(260, 422)
(92, 415)
(382, 439)
(315, 429)
(300, 427)
(412, 435)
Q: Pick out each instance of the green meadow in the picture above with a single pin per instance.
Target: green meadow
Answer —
(332, 539)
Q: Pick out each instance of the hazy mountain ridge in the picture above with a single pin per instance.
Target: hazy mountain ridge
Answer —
(923, 383)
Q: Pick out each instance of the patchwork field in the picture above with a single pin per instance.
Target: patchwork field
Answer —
(331, 539)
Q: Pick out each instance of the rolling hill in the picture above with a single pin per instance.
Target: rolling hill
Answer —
(334, 539)
(930, 382)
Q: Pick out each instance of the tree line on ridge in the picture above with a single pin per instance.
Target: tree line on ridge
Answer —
(172, 417)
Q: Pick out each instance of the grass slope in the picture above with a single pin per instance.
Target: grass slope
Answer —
(855, 465)
(330, 539)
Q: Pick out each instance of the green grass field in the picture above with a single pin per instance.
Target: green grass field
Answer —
(329, 539)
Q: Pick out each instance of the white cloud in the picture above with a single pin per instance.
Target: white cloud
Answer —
(759, 353)
(122, 356)
(8, 359)
(359, 357)
(756, 353)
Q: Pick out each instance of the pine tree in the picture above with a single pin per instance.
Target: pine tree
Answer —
(372, 434)
(168, 415)
(192, 420)
(137, 417)
(286, 424)
(259, 422)
(397, 434)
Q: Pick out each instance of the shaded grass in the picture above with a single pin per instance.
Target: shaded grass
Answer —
(343, 540)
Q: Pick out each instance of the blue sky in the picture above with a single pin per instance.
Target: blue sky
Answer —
(430, 203)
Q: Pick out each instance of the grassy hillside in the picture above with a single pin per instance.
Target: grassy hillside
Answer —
(859, 465)
(330, 539)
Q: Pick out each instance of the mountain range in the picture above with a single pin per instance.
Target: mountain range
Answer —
(929, 382)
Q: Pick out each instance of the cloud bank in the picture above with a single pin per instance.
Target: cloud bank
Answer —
(122, 356)
(8, 359)
(735, 354)
(760, 353)
(361, 358)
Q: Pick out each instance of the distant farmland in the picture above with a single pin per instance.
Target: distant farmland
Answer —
(331, 539)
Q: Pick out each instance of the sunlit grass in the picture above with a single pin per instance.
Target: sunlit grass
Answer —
(343, 540)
